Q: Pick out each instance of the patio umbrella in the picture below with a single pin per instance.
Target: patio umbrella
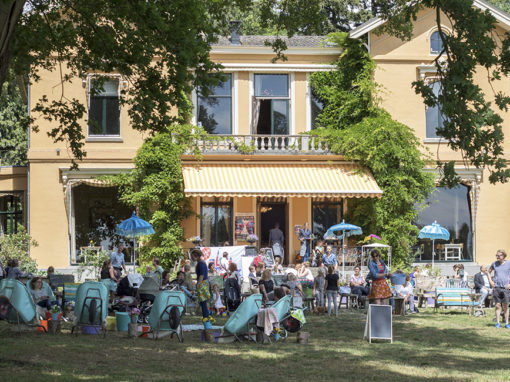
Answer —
(133, 227)
(346, 230)
(434, 232)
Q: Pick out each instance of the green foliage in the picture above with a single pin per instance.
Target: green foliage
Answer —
(155, 188)
(17, 246)
(91, 262)
(358, 129)
(14, 123)
(472, 125)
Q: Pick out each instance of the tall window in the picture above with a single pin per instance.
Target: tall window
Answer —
(11, 213)
(324, 215)
(96, 213)
(216, 222)
(452, 210)
(104, 108)
(271, 104)
(436, 44)
(215, 110)
(433, 115)
(316, 107)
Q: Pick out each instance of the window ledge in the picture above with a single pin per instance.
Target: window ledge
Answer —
(104, 139)
(435, 140)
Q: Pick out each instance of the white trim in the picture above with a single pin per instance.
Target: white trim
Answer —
(308, 110)
(268, 50)
(292, 111)
(104, 138)
(499, 15)
(251, 93)
(235, 103)
(435, 140)
(194, 101)
(120, 86)
(197, 192)
(254, 67)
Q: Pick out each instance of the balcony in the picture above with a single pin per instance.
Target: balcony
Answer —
(264, 144)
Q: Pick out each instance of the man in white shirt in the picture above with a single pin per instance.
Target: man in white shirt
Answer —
(224, 263)
(117, 258)
(482, 285)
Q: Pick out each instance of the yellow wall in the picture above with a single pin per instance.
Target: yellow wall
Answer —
(13, 178)
(398, 65)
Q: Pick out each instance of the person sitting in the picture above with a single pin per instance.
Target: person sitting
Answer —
(234, 273)
(165, 278)
(304, 273)
(13, 272)
(258, 259)
(318, 288)
(329, 258)
(482, 285)
(407, 292)
(462, 275)
(179, 283)
(259, 269)
(254, 281)
(211, 269)
(40, 295)
(109, 278)
(318, 253)
(277, 267)
(291, 269)
(357, 285)
(266, 286)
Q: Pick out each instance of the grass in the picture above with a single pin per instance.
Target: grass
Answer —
(427, 347)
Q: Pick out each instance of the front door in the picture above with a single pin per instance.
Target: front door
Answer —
(269, 215)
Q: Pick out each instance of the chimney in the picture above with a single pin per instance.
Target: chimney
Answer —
(235, 37)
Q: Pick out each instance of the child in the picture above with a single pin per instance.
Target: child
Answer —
(254, 281)
(39, 294)
(318, 288)
(218, 306)
(12, 270)
(188, 277)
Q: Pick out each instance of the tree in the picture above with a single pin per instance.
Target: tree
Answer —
(160, 47)
(472, 125)
(360, 130)
(14, 123)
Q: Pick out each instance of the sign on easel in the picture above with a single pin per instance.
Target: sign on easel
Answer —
(379, 323)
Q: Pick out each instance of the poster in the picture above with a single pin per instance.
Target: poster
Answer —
(215, 254)
(245, 225)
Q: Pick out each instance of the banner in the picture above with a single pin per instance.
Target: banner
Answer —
(215, 254)
(245, 225)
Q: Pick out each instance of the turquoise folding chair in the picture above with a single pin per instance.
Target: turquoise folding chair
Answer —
(17, 305)
(240, 322)
(166, 313)
(91, 307)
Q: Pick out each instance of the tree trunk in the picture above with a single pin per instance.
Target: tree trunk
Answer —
(10, 13)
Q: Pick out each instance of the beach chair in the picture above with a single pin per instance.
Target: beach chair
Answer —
(240, 322)
(91, 307)
(17, 305)
(166, 313)
(70, 291)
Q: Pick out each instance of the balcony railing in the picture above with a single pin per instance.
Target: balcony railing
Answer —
(264, 144)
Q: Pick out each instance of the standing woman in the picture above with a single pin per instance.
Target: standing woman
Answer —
(380, 292)
(203, 287)
(109, 278)
(305, 237)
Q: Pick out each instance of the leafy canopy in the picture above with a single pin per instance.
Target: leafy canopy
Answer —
(360, 130)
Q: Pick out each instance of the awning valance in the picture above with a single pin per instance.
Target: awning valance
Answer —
(280, 179)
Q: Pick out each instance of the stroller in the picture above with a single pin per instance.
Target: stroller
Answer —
(147, 292)
(127, 290)
(91, 306)
(17, 305)
(231, 294)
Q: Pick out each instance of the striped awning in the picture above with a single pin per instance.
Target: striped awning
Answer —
(326, 180)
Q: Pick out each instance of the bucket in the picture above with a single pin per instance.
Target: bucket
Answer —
(93, 329)
(55, 316)
(123, 320)
(44, 324)
(302, 338)
(111, 323)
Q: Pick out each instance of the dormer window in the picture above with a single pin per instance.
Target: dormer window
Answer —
(436, 44)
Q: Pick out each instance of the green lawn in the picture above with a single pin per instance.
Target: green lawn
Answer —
(427, 347)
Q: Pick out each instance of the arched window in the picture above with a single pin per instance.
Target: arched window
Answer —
(436, 44)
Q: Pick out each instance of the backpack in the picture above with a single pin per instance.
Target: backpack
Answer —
(232, 293)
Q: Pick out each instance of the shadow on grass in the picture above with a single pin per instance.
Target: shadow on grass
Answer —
(427, 347)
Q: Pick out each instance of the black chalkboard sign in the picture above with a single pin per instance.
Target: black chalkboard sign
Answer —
(250, 250)
(379, 323)
(59, 280)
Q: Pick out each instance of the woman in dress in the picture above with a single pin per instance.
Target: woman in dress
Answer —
(203, 287)
(380, 291)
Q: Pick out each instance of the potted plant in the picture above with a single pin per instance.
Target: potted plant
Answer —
(133, 314)
(251, 238)
(55, 312)
(195, 240)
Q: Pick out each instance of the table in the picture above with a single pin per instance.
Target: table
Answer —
(400, 307)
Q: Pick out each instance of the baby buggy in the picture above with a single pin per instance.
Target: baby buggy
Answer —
(231, 294)
(147, 292)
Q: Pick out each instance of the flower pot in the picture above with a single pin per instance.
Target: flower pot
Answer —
(133, 330)
(55, 316)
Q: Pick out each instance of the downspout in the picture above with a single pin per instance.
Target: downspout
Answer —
(28, 162)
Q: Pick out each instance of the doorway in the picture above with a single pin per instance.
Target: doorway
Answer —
(269, 214)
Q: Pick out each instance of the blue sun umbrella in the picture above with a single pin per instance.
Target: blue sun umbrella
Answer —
(346, 230)
(434, 232)
(133, 227)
